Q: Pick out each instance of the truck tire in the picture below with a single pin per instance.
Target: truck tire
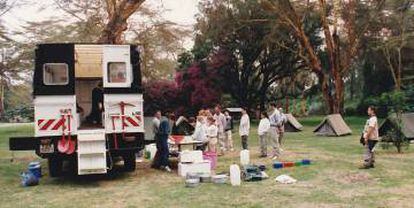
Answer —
(55, 167)
(129, 162)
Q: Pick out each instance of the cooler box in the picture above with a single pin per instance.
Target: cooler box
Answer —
(191, 156)
(199, 167)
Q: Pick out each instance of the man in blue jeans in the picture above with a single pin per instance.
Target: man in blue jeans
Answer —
(161, 157)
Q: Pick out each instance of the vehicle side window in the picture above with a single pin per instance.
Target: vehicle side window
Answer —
(117, 72)
(55, 74)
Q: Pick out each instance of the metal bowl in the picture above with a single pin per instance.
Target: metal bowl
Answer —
(191, 183)
(219, 179)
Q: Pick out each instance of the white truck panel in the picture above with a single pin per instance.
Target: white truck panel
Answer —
(116, 53)
(134, 115)
(48, 116)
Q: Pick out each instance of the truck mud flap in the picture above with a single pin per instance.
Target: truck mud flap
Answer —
(23, 143)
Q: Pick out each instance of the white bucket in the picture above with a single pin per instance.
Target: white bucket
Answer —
(244, 157)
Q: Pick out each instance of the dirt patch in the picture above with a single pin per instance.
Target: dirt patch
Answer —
(358, 177)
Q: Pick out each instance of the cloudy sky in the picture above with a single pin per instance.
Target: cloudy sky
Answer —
(179, 11)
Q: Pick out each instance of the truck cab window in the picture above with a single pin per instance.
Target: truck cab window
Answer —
(117, 72)
(55, 74)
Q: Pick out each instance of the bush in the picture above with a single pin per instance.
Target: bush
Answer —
(21, 113)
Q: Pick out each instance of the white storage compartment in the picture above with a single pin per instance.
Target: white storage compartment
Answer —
(199, 167)
(91, 152)
(191, 156)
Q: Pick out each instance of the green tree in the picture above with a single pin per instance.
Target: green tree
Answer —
(243, 33)
(343, 23)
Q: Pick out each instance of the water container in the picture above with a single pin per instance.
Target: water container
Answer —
(288, 164)
(306, 162)
(35, 169)
(235, 179)
(244, 157)
(212, 157)
(277, 165)
(150, 151)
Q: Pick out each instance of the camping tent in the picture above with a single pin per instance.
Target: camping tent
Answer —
(332, 125)
(292, 125)
(407, 120)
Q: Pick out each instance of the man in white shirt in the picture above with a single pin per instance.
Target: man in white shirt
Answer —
(275, 120)
(244, 128)
(371, 137)
(156, 123)
(221, 124)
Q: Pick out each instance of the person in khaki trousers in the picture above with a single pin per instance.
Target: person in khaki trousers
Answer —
(370, 138)
(228, 130)
(263, 132)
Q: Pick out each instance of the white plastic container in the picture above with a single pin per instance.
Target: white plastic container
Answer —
(152, 149)
(235, 178)
(244, 157)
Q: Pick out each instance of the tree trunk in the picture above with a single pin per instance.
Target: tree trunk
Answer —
(303, 104)
(1, 101)
(118, 13)
(287, 104)
(112, 34)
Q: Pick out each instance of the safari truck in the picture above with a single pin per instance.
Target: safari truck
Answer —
(64, 77)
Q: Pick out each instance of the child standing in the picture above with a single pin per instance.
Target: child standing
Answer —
(263, 131)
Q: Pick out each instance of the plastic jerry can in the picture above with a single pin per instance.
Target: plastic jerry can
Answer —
(235, 178)
(244, 157)
(277, 165)
(306, 162)
(150, 151)
(35, 169)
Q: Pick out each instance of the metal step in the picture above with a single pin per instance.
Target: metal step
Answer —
(91, 152)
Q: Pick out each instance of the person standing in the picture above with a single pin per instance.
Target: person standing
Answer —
(228, 131)
(155, 131)
(244, 128)
(281, 127)
(212, 133)
(274, 136)
(163, 134)
(95, 116)
(221, 124)
(263, 131)
(370, 138)
(200, 133)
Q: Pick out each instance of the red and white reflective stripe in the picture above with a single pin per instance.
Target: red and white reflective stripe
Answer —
(133, 121)
(50, 124)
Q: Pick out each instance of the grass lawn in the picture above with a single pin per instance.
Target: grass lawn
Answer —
(333, 180)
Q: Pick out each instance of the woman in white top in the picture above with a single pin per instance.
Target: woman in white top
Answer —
(212, 133)
(200, 133)
(263, 131)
